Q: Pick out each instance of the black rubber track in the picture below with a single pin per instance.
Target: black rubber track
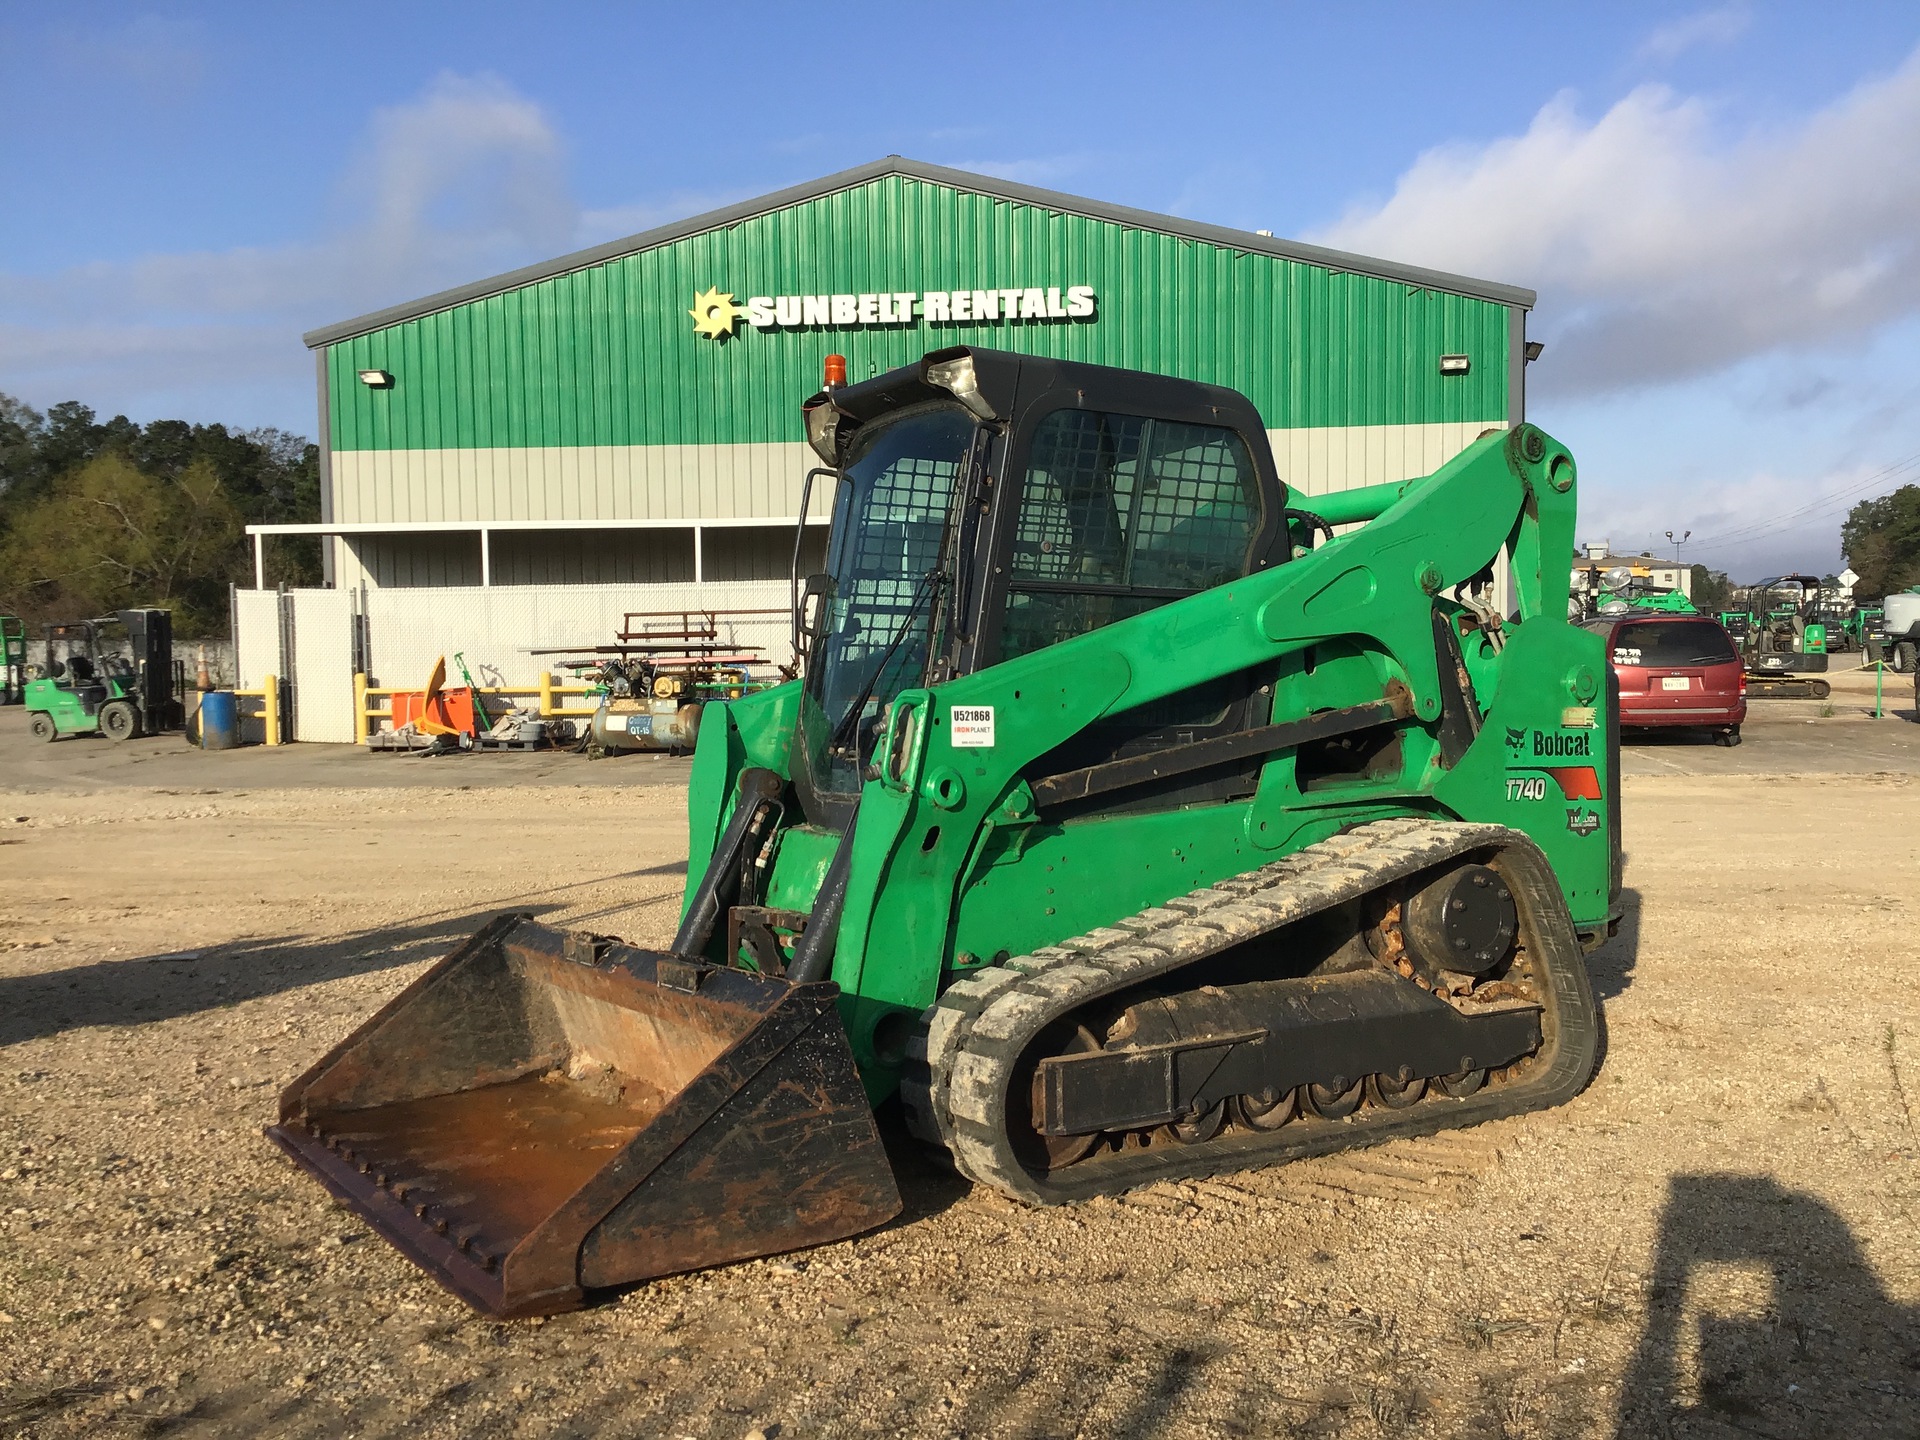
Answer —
(961, 1064)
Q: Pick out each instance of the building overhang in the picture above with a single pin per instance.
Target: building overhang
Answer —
(483, 531)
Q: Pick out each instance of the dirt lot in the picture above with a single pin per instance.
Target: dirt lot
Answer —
(1716, 1239)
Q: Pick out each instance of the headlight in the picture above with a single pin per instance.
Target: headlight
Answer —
(957, 377)
(823, 431)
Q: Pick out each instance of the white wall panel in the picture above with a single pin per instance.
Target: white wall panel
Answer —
(499, 628)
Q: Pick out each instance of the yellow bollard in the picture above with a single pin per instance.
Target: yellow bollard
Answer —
(359, 708)
(546, 693)
(270, 708)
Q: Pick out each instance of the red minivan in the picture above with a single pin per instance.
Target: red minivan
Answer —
(1676, 670)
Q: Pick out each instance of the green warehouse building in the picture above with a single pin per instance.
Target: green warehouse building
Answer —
(631, 413)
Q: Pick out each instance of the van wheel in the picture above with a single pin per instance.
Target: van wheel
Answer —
(1727, 738)
(40, 723)
(119, 721)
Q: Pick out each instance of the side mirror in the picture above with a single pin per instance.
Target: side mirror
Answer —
(816, 590)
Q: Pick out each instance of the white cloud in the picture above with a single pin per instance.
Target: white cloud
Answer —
(469, 159)
(466, 180)
(1721, 25)
(1661, 250)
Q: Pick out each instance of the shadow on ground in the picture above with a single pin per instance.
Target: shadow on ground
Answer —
(1822, 1352)
(136, 992)
(168, 986)
(1611, 967)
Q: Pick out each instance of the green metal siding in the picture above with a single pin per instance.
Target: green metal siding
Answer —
(608, 356)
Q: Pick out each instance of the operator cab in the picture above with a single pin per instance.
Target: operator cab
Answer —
(990, 504)
(72, 663)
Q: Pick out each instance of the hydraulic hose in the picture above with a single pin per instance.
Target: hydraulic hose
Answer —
(758, 788)
(813, 954)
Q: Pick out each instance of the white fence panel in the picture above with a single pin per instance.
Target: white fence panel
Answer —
(256, 638)
(322, 665)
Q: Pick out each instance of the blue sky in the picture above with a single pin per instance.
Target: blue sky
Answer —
(1719, 204)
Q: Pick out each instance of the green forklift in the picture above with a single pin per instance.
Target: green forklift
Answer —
(92, 688)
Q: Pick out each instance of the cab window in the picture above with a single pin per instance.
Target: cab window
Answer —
(1120, 513)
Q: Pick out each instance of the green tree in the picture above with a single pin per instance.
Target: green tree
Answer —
(110, 536)
(163, 524)
(1882, 542)
(1711, 588)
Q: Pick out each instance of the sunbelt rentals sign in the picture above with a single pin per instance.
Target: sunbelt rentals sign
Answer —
(717, 314)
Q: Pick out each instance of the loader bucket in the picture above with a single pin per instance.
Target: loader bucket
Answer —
(543, 1114)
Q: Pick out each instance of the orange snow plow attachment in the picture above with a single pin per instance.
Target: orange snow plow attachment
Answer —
(543, 1114)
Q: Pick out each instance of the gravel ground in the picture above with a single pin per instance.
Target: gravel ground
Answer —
(1716, 1239)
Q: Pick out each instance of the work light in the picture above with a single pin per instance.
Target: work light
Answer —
(957, 377)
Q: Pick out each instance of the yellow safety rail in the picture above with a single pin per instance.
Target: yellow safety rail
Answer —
(549, 691)
(269, 697)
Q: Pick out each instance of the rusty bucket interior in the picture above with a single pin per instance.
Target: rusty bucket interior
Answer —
(544, 1114)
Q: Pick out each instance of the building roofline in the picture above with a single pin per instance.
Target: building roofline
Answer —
(940, 175)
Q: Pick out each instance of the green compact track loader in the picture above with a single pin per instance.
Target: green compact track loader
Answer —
(1133, 819)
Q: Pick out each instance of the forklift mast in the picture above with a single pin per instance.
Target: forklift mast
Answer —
(157, 682)
(13, 660)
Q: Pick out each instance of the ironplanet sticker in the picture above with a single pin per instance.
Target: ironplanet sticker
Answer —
(717, 315)
(972, 727)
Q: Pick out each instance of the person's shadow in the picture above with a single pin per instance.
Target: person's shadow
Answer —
(1765, 1319)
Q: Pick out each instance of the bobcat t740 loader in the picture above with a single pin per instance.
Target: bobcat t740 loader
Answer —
(1131, 820)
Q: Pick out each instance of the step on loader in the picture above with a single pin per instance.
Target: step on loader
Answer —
(1133, 818)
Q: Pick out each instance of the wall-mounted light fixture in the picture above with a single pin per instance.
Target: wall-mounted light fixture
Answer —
(1455, 364)
(376, 379)
(1535, 349)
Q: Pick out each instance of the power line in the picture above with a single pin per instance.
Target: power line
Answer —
(1879, 477)
(1761, 529)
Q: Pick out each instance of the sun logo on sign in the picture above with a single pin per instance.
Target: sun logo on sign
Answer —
(714, 314)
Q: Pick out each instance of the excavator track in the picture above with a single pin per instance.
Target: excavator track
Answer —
(1787, 687)
(964, 1064)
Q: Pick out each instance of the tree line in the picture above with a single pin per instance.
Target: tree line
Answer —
(97, 516)
(1882, 541)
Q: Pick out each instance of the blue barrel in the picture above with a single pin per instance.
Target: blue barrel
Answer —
(219, 720)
